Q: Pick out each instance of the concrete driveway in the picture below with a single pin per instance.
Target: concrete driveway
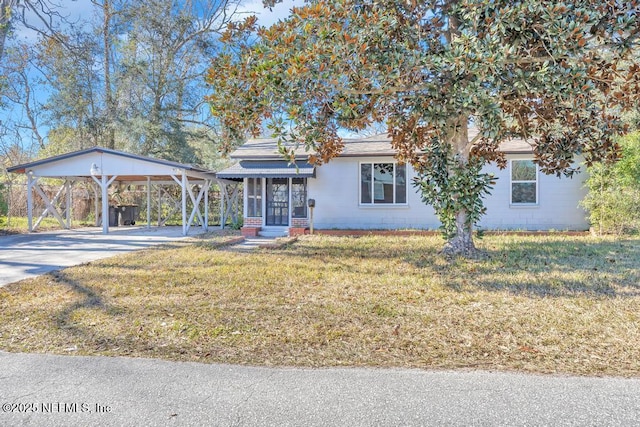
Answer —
(39, 390)
(28, 255)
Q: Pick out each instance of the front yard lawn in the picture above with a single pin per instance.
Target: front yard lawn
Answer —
(547, 304)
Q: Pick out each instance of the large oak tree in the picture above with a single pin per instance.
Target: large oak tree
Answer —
(556, 73)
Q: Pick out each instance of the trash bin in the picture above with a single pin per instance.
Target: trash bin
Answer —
(114, 213)
(128, 214)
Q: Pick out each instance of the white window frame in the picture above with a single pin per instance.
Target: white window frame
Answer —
(306, 197)
(512, 181)
(383, 205)
(254, 197)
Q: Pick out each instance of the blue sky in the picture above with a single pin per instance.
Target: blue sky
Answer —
(266, 17)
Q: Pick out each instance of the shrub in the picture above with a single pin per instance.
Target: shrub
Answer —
(4, 206)
(613, 201)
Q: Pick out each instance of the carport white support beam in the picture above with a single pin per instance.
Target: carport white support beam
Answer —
(186, 190)
(148, 202)
(223, 196)
(159, 205)
(31, 180)
(104, 184)
(234, 202)
(207, 184)
(50, 205)
(228, 202)
(196, 202)
(196, 206)
(96, 203)
(184, 184)
(174, 205)
(67, 186)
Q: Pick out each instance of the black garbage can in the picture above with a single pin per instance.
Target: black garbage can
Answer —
(128, 214)
(114, 214)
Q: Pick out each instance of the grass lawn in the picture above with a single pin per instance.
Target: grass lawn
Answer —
(17, 224)
(548, 304)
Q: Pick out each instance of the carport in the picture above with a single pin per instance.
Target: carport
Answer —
(104, 167)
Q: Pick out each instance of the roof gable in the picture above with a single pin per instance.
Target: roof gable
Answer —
(73, 154)
(108, 162)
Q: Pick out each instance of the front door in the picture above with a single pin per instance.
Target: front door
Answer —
(277, 201)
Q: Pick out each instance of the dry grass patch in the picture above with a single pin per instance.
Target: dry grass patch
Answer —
(551, 304)
(17, 225)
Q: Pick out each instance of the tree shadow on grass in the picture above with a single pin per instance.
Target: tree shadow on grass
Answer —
(549, 267)
(90, 299)
(562, 268)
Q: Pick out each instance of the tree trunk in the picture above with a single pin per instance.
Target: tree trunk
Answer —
(462, 243)
(106, 40)
(6, 8)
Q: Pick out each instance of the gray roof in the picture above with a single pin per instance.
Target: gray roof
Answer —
(376, 145)
(516, 146)
(267, 169)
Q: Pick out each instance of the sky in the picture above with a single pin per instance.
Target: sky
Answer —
(265, 16)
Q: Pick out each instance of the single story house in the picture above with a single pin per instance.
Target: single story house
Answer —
(366, 188)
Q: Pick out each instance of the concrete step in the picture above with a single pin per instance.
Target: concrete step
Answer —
(274, 232)
(250, 244)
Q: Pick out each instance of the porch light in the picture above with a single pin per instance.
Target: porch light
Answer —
(95, 170)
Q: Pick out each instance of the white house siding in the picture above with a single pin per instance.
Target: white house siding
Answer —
(557, 207)
(336, 191)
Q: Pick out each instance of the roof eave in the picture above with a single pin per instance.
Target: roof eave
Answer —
(258, 157)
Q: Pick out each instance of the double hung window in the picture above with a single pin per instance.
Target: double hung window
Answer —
(524, 182)
(383, 184)
(254, 197)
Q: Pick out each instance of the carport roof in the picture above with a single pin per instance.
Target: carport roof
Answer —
(100, 160)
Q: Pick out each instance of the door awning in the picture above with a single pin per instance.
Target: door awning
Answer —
(267, 169)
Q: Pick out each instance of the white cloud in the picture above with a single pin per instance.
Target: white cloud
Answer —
(265, 16)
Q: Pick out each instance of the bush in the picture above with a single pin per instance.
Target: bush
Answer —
(613, 201)
(4, 206)
(237, 225)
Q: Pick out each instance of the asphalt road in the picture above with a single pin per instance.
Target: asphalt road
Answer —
(28, 255)
(46, 390)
